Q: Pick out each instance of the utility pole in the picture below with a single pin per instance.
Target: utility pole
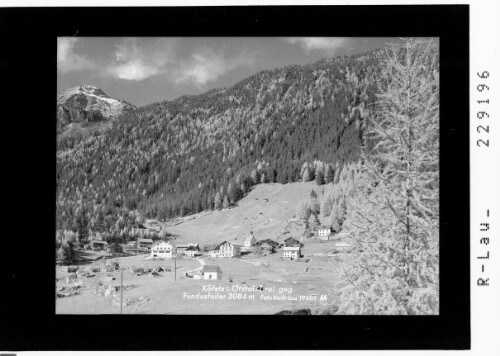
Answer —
(175, 268)
(121, 292)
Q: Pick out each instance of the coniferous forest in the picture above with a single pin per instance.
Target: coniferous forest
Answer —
(191, 154)
(364, 126)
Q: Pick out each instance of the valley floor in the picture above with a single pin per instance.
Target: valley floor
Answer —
(287, 285)
(268, 211)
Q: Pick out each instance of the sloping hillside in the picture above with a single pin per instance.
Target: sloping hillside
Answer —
(266, 211)
(198, 153)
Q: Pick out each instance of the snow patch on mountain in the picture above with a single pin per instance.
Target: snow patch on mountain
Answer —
(89, 97)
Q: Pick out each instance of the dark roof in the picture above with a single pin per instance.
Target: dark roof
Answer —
(219, 245)
(115, 246)
(192, 248)
(229, 242)
(267, 241)
(291, 242)
(207, 268)
(99, 242)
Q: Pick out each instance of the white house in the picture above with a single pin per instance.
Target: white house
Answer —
(213, 253)
(228, 249)
(211, 272)
(325, 233)
(292, 253)
(192, 251)
(249, 242)
(163, 249)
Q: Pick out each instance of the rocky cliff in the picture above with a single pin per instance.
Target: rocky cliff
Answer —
(85, 105)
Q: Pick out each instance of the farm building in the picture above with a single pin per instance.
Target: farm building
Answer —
(228, 249)
(266, 248)
(291, 242)
(163, 249)
(269, 242)
(292, 253)
(324, 233)
(192, 251)
(132, 244)
(211, 272)
(214, 253)
(114, 248)
(145, 243)
(182, 248)
(98, 245)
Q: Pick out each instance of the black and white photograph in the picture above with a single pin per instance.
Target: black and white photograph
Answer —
(247, 175)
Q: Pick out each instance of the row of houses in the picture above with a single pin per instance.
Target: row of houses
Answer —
(291, 250)
(249, 242)
(165, 249)
(227, 249)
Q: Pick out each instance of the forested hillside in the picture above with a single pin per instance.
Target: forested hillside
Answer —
(205, 152)
(365, 126)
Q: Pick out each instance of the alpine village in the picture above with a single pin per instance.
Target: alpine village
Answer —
(308, 189)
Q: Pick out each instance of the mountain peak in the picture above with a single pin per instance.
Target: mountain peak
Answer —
(91, 89)
(85, 104)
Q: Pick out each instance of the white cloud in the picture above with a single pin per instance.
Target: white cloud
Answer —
(67, 59)
(325, 44)
(207, 66)
(137, 60)
(135, 69)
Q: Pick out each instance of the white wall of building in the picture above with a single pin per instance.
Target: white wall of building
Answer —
(212, 275)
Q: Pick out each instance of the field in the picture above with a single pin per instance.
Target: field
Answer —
(164, 295)
(284, 285)
(266, 211)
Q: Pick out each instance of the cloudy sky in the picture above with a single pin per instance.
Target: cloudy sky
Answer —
(147, 70)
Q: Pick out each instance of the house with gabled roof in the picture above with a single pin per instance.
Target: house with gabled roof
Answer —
(267, 246)
(114, 248)
(145, 243)
(192, 251)
(211, 272)
(229, 249)
(163, 249)
(291, 242)
(269, 242)
(214, 252)
(98, 245)
(292, 253)
(324, 233)
(182, 248)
